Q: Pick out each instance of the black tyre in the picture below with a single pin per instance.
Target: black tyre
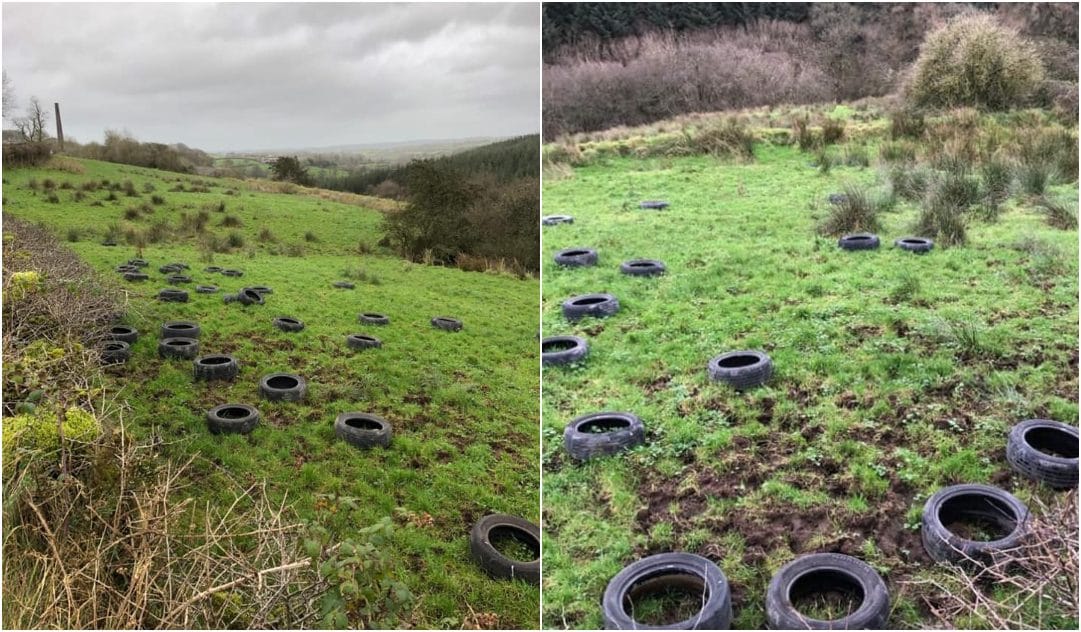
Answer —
(602, 434)
(181, 348)
(691, 573)
(215, 367)
(741, 370)
(283, 387)
(288, 323)
(173, 295)
(212, 269)
(127, 267)
(974, 508)
(837, 198)
(859, 241)
(557, 350)
(344, 285)
(109, 242)
(595, 305)
(248, 296)
(206, 289)
(173, 279)
(915, 244)
(553, 220)
(642, 267)
(659, 205)
(262, 289)
(228, 298)
(136, 276)
(446, 323)
(232, 418)
(168, 269)
(138, 263)
(180, 265)
(371, 318)
(488, 557)
(180, 329)
(123, 333)
(115, 352)
(363, 430)
(362, 341)
(232, 273)
(1044, 451)
(826, 573)
(576, 257)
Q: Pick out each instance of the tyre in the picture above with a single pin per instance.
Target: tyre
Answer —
(362, 341)
(859, 241)
(232, 418)
(556, 350)
(109, 242)
(206, 289)
(136, 276)
(820, 573)
(215, 367)
(180, 266)
(173, 295)
(212, 269)
(693, 574)
(262, 289)
(138, 263)
(988, 507)
(446, 324)
(659, 205)
(181, 348)
(283, 387)
(837, 198)
(115, 352)
(168, 269)
(344, 285)
(1044, 451)
(123, 333)
(602, 434)
(576, 257)
(496, 564)
(248, 296)
(371, 318)
(915, 244)
(231, 273)
(642, 267)
(553, 220)
(363, 430)
(228, 298)
(126, 268)
(741, 370)
(174, 279)
(595, 305)
(180, 329)
(288, 323)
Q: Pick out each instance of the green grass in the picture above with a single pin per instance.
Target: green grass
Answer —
(895, 374)
(463, 405)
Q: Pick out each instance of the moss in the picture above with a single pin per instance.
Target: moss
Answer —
(40, 432)
(24, 284)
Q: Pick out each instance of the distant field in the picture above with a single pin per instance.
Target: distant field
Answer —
(463, 405)
(895, 374)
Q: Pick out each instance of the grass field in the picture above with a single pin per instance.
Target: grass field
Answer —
(895, 374)
(463, 405)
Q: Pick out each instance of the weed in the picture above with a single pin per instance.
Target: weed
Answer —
(856, 212)
(78, 196)
(235, 240)
(230, 221)
(131, 213)
(1035, 175)
(52, 198)
(157, 200)
(907, 124)
(73, 235)
(806, 138)
(833, 131)
(66, 185)
(129, 189)
(310, 237)
(897, 151)
(1057, 213)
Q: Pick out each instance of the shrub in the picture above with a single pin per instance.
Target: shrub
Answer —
(897, 151)
(856, 212)
(957, 190)
(129, 189)
(832, 131)
(909, 182)
(78, 196)
(32, 184)
(310, 237)
(48, 184)
(907, 289)
(907, 124)
(131, 213)
(158, 232)
(729, 138)
(148, 187)
(942, 221)
(235, 240)
(1057, 214)
(73, 235)
(66, 185)
(857, 156)
(806, 138)
(111, 197)
(266, 236)
(157, 199)
(973, 60)
(52, 198)
(230, 221)
(824, 160)
(1034, 176)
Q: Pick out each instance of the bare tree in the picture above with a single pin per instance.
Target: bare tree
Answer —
(32, 126)
(9, 96)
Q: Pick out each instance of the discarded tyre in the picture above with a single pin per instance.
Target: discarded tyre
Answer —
(178, 278)
(345, 285)
(283, 387)
(642, 267)
(495, 563)
(182, 348)
(858, 241)
(123, 333)
(654, 204)
(262, 289)
(822, 573)
(232, 418)
(362, 341)
(287, 323)
(363, 430)
(231, 273)
(371, 318)
(109, 242)
(602, 434)
(173, 295)
(180, 329)
(169, 269)
(837, 198)
(127, 267)
(212, 269)
(576, 257)
(136, 276)
(115, 352)
(915, 244)
(958, 522)
(656, 574)
(557, 350)
(215, 367)
(447, 324)
(248, 296)
(1044, 451)
(552, 220)
(741, 370)
(595, 305)
(206, 289)
(228, 298)
(138, 263)
(180, 265)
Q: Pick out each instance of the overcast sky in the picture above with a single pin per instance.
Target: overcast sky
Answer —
(277, 76)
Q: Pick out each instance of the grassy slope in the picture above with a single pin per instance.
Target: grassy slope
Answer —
(463, 405)
(872, 407)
